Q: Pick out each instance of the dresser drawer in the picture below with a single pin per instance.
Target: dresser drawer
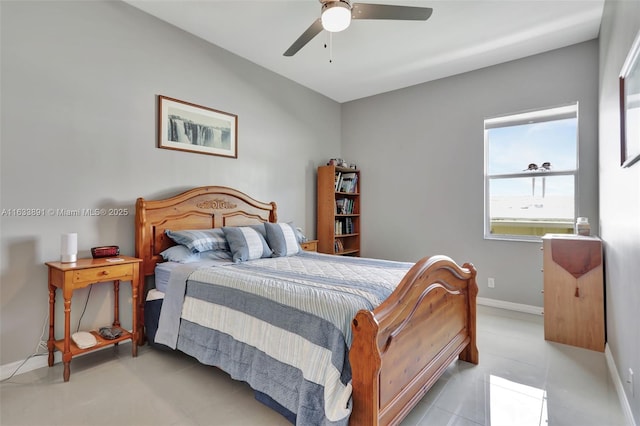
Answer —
(103, 273)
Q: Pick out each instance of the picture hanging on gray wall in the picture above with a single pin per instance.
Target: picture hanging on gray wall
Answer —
(630, 106)
(189, 127)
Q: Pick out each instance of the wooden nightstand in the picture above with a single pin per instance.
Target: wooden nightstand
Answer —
(310, 245)
(80, 274)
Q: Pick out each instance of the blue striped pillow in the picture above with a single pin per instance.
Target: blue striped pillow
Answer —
(198, 240)
(246, 243)
(282, 238)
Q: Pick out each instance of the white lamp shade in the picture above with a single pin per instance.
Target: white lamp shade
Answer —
(336, 16)
(69, 248)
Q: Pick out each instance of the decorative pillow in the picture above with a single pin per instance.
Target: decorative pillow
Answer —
(246, 243)
(215, 254)
(198, 240)
(182, 254)
(282, 238)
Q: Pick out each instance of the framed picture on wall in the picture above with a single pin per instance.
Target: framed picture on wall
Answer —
(189, 127)
(630, 106)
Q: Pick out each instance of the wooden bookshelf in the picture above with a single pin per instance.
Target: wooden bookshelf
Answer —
(338, 218)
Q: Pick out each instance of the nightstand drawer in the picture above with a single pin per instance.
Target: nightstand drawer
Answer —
(104, 273)
(311, 245)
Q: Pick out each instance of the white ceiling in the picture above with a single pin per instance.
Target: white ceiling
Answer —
(372, 57)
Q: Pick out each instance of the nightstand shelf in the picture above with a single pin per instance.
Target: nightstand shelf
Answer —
(102, 342)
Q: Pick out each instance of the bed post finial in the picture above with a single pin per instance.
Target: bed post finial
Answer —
(141, 234)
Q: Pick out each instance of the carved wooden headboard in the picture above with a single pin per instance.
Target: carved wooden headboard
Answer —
(198, 208)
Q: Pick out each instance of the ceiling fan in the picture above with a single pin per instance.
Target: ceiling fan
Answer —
(336, 15)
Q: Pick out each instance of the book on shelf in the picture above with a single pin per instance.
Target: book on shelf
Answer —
(338, 247)
(345, 206)
(344, 226)
(348, 183)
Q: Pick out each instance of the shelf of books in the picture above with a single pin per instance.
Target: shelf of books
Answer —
(338, 218)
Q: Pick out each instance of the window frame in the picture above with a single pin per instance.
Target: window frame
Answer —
(538, 115)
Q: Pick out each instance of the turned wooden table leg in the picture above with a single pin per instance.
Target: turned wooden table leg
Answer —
(134, 319)
(51, 341)
(116, 303)
(66, 355)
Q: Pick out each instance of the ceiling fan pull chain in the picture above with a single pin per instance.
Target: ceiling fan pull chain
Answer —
(330, 47)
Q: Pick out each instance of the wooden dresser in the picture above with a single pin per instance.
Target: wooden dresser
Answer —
(573, 290)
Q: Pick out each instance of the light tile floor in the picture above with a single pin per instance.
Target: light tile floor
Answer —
(521, 380)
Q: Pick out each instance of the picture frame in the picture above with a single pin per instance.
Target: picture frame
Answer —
(630, 106)
(185, 126)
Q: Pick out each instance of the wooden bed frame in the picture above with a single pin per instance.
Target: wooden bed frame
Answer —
(399, 349)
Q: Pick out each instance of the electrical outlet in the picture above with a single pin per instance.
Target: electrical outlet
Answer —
(491, 282)
(630, 381)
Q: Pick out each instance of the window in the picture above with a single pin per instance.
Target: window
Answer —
(531, 162)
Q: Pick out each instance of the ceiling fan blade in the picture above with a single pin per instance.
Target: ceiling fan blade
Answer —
(305, 38)
(385, 11)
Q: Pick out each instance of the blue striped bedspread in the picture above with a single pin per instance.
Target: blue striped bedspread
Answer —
(282, 324)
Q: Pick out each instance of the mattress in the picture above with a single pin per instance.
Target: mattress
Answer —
(162, 275)
(163, 270)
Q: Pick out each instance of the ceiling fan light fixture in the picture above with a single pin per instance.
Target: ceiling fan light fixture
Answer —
(336, 16)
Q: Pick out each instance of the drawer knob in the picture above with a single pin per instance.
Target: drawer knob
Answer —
(105, 272)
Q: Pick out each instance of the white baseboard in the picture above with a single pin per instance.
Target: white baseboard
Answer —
(35, 362)
(30, 364)
(617, 382)
(519, 307)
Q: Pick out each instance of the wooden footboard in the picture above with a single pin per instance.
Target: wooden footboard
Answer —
(400, 349)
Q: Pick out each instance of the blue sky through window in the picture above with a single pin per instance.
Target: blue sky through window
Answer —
(513, 148)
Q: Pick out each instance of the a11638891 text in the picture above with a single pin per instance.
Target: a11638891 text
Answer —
(62, 212)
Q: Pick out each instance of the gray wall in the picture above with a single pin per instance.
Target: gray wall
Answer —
(619, 201)
(78, 130)
(421, 154)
